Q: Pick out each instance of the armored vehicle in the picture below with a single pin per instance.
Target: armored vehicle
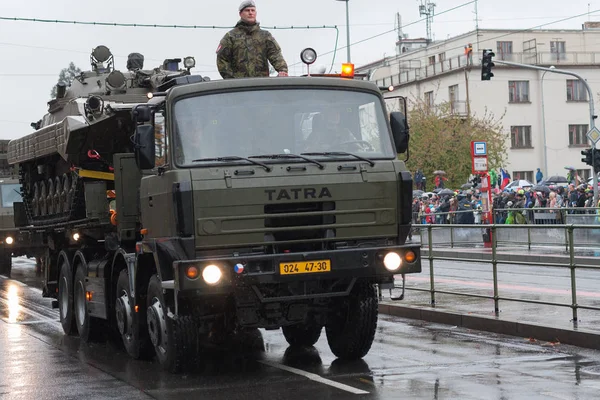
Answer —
(275, 203)
(85, 126)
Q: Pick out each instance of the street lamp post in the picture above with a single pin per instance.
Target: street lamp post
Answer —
(347, 29)
(544, 125)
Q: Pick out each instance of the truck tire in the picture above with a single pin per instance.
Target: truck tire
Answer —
(5, 262)
(175, 341)
(65, 298)
(305, 334)
(86, 324)
(351, 330)
(134, 333)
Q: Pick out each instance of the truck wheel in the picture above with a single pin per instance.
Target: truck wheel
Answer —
(302, 334)
(86, 324)
(175, 341)
(5, 262)
(65, 298)
(351, 330)
(133, 333)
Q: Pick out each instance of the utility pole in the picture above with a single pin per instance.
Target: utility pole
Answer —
(592, 112)
(477, 26)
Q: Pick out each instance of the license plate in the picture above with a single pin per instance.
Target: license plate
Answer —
(304, 267)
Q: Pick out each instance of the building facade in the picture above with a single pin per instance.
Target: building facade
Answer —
(545, 116)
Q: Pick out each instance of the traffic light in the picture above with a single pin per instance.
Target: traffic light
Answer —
(487, 64)
(596, 160)
(587, 153)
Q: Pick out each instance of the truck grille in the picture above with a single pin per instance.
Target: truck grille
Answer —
(309, 221)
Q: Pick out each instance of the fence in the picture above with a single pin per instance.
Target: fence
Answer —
(437, 236)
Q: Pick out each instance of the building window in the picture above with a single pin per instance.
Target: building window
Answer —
(576, 90)
(504, 48)
(527, 175)
(442, 57)
(520, 137)
(578, 135)
(584, 174)
(558, 49)
(518, 91)
(431, 60)
(453, 94)
(429, 100)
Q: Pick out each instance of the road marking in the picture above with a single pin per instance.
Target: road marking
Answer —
(557, 395)
(315, 377)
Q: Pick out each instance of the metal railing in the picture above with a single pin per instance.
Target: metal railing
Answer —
(496, 232)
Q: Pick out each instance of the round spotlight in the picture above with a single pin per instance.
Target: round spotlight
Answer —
(192, 272)
(308, 56)
(9, 240)
(391, 88)
(212, 274)
(149, 95)
(76, 236)
(189, 62)
(392, 261)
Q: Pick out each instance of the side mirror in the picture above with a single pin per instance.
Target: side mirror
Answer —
(142, 113)
(144, 146)
(400, 131)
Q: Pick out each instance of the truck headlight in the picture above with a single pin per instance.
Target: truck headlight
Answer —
(212, 274)
(392, 261)
(9, 240)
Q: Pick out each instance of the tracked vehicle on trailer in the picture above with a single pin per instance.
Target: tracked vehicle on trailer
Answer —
(215, 207)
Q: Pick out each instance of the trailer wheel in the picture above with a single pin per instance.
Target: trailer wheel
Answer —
(134, 333)
(176, 341)
(5, 262)
(65, 298)
(351, 330)
(305, 334)
(86, 324)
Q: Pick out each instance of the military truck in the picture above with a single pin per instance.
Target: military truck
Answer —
(12, 241)
(276, 203)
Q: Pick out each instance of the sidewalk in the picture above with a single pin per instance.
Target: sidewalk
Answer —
(528, 320)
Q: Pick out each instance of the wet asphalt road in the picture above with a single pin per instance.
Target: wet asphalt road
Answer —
(409, 360)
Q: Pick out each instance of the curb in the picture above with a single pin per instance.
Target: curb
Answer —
(580, 338)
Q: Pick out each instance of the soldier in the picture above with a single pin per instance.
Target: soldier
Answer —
(246, 50)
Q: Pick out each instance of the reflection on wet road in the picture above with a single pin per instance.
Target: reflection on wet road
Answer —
(412, 360)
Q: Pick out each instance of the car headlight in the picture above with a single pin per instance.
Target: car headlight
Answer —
(212, 274)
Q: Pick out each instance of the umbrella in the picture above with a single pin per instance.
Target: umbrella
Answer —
(467, 186)
(437, 190)
(570, 167)
(557, 179)
(446, 192)
(417, 193)
(439, 172)
(541, 188)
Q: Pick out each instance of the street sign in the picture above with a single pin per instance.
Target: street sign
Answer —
(480, 149)
(594, 135)
(480, 164)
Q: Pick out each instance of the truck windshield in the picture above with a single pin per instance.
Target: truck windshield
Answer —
(10, 194)
(291, 121)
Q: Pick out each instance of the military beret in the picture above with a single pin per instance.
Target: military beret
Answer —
(246, 4)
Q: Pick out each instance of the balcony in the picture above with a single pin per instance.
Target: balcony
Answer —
(405, 76)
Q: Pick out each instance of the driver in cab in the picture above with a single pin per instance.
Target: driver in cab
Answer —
(328, 132)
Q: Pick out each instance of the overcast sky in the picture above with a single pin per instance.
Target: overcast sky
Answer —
(32, 53)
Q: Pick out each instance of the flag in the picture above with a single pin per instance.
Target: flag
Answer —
(504, 178)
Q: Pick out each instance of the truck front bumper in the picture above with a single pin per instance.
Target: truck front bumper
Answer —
(249, 270)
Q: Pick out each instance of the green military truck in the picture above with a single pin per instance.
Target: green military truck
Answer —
(13, 242)
(275, 203)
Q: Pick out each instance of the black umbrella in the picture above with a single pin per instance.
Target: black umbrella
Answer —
(541, 188)
(467, 186)
(446, 192)
(436, 190)
(417, 193)
(556, 179)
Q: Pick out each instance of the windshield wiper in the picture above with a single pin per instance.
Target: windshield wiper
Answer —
(234, 158)
(287, 155)
(341, 153)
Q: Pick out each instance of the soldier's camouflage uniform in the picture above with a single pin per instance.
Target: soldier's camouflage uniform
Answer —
(246, 51)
